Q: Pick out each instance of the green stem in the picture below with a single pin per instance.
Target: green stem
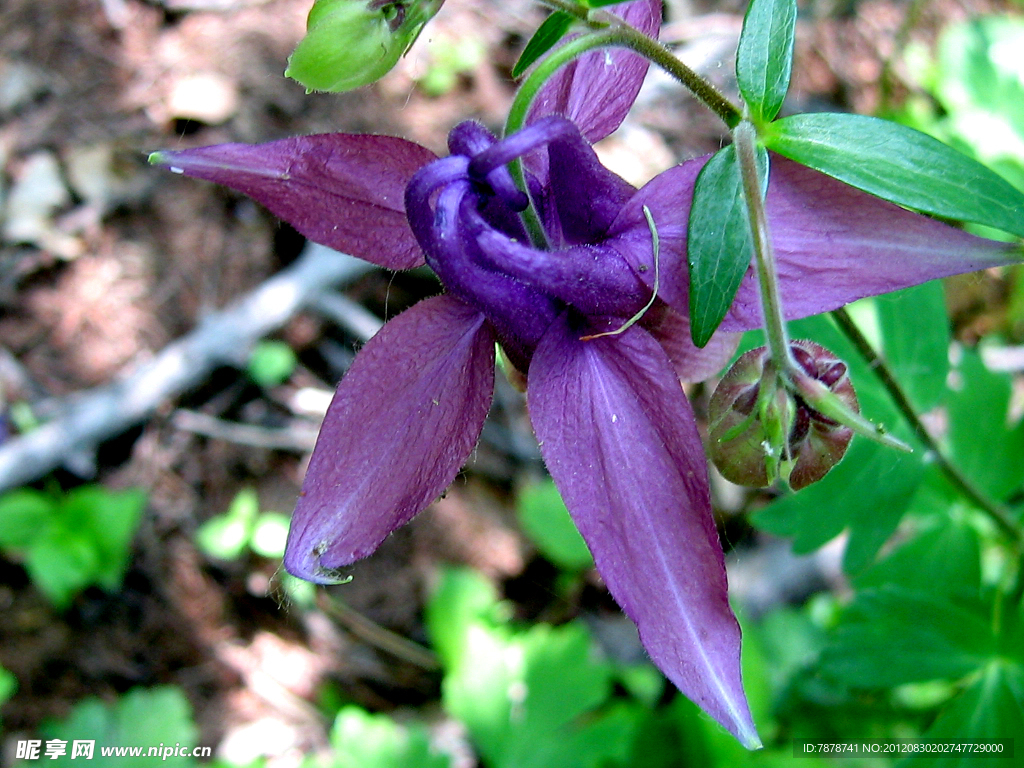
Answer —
(618, 36)
(568, 6)
(744, 138)
(1015, 595)
(999, 514)
(611, 32)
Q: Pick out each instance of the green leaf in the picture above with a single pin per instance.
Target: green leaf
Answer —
(984, 445)
(563, 677)
(61, 564)
(75, 540)
(604, 740)
(891, 635)
(140, 718)
(298, 592)
(658, 745)
(899, 164)
(362, 740)
(479, 689)
(270, 534)
(223, 537)
(226, 536)
(24, 516)
(944, 560)
(8, 685)
(546, 521)
(982, 90)
(719, 246)
(791, 642)
(462, 598)
(764, 57)
(113, 518)
(915, 331)
(991, 708)
(519, 695)
(643, 681)
(886, 481)
(544, 39)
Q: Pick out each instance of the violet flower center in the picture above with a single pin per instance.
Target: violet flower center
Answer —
(464, 211)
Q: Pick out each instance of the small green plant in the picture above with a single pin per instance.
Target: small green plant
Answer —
(144, 717)
(538, 696)
(363, 740)
(244, 527)
(73, 540)
(271, 363)
(8, 685)
(450, 58)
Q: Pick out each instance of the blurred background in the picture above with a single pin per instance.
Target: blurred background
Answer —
(141, 595)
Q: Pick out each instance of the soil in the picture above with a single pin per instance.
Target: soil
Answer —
(115, 259)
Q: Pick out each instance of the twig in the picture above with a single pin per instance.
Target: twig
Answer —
(374, 634)
(347, 314)
(299, 438)
(224, 337)
(1000, 514)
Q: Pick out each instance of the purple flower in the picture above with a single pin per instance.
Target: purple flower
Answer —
(613, 423)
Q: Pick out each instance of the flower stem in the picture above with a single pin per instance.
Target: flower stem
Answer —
(999, 514)
(568, 6)
(609, 32)
(744, 137)
(618, 35)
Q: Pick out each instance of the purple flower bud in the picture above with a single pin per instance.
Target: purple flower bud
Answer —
(760, 430)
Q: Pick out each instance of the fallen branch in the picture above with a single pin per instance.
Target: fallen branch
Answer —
(221, 338)
(299, 438)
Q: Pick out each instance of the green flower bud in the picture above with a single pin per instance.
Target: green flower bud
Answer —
(761, 431)
(351, 43)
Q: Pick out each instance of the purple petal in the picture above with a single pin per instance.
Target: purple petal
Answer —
(668, 196)
(621, 443)
(597, 90)
(691, 363)
(403, 421)
(585, 195)
(594, 279)
(836, 244)
(345, 191)
(519, 315)
(833, 244)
